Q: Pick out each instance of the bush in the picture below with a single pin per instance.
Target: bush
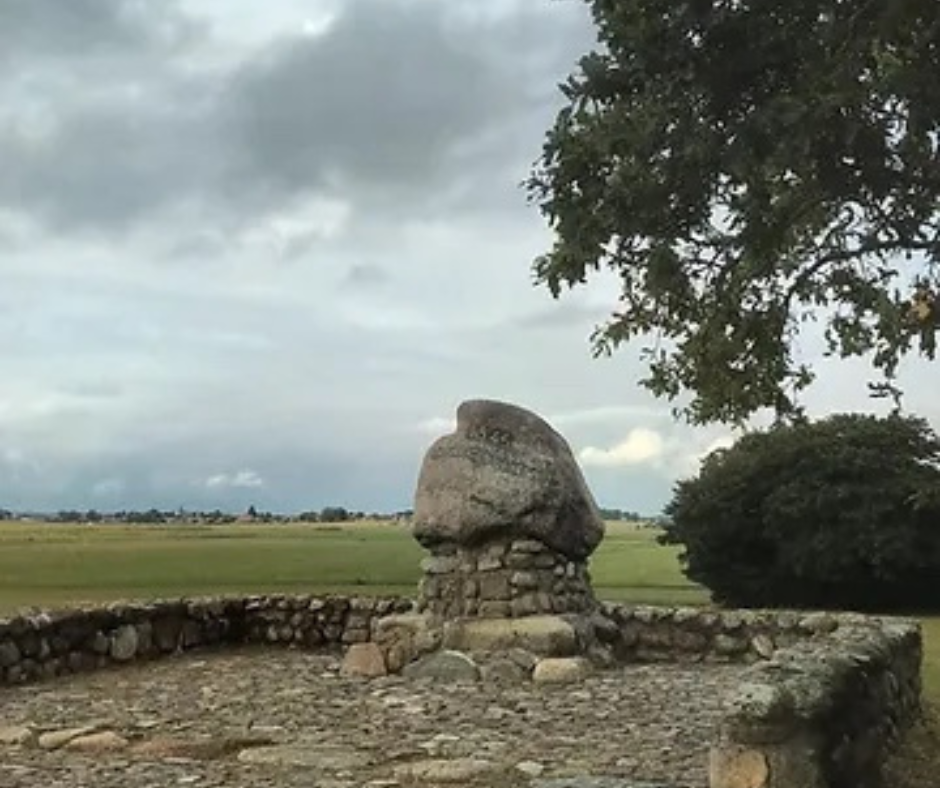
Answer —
(840, 513)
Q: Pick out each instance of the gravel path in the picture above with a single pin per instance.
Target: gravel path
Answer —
(255, 718)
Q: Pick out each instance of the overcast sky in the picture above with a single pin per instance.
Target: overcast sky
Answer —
(257, 253)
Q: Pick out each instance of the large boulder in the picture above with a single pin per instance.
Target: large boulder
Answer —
(504, 473)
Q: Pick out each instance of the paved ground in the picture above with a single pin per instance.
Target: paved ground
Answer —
(256, 718)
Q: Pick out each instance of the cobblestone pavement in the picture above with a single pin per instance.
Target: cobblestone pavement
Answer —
(255, 718)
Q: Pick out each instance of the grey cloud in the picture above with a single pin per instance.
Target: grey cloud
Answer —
(563, 315)
(362, 275)
(382, 97)
(406, 107)
(90, 28)
(399, 107)
(105, 166)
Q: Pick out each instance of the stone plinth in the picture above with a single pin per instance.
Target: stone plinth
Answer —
(503, 579)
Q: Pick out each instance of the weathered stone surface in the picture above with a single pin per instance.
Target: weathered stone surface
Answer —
(16, 735)
(560, 670)
(95, 743)
(524, 580)
(9, 653)
(446, 665)
(595, 781)
(495, 609)
(526, 605)
(530, 768)
(819, 623)
(365, 660)
(505, 472)
(502, 669)
(763, 646)
(404, 637)
(52, 740)
(439, 770)
(543, 635)
(495, 587)
(729, 645)
(439, 565)
(100, 643)
(204, 747)
(124, 643)
(307, 754)
(166, 632)
(758, 711)
(737, 767)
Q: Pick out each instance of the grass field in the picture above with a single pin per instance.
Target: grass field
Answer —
(61, 565)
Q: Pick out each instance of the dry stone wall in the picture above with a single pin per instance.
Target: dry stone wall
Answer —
(55, 643)
(821, 700)
(822, 713)
(688, 634)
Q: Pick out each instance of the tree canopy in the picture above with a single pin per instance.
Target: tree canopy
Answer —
(746, 166)
(843, 512)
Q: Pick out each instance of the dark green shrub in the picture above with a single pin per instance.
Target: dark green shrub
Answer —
(840, 513)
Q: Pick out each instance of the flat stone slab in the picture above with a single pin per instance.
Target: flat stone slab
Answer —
(256, 716)
(443, 666)
(441, 770)
(307, 755)
(14, 735)
(561, 670)
(549, 636)
(588, 781)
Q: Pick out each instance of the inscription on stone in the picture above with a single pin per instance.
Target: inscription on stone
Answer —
(491, 455)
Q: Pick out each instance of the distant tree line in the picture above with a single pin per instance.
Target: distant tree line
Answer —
(153, 516)
(625, 515)
(327, 514)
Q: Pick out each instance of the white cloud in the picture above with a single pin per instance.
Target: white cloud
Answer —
(723, 442)
(437, 425)
(603, 414)
(684, 454)
(245, 478)
(641, 446)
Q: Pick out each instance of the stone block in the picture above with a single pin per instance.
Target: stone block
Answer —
(124, 642)
(524, 605)
(490, 563)
(739, 767)
(495, 587)
(561, 670)
(543, 635)
(446, 665)
(524, 580)
(363, 660)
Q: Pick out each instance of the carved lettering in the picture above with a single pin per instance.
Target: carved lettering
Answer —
(492, 455)
(490, 434)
